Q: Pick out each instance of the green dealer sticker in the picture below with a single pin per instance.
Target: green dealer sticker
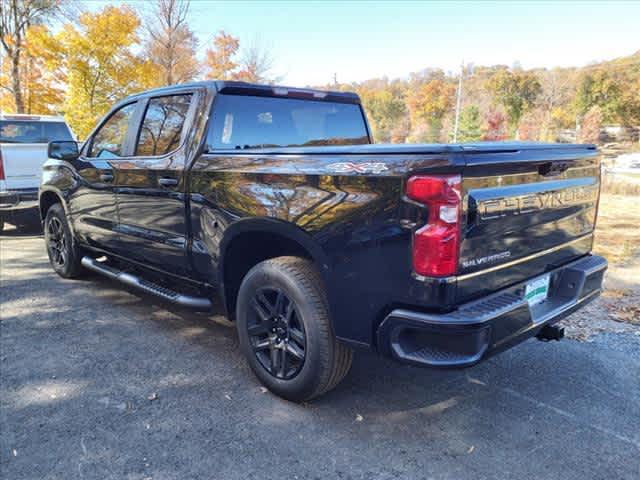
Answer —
(537, 290)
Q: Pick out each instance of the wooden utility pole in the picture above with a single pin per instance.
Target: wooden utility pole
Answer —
(458, 103)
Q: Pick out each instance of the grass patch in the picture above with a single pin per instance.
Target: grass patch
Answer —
(618, 229)
(628, 184)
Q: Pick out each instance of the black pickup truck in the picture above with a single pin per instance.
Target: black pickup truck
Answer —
(272, 205)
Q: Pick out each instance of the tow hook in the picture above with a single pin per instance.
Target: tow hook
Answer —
(550, 332)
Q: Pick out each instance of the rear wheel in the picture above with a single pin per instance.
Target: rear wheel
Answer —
(285, 332)
(64, 254)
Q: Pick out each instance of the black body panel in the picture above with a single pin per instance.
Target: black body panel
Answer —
(354, 221)
(93, 203)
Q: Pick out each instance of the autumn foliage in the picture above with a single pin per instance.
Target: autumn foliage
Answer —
(89, 63)
(220, 59)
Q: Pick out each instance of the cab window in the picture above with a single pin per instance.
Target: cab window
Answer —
(109, 141)
(241, 122)
(161, 129)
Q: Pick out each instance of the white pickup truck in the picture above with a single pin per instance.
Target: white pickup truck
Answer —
(23, 151)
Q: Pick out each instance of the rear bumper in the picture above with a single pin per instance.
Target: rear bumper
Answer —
(18, 200)
(481, 328)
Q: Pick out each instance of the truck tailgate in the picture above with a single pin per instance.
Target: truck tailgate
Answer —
(526, 210)
(23, 164)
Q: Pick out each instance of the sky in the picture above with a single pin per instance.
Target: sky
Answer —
(358, 40)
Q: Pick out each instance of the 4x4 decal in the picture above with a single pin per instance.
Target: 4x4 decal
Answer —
(365, 167)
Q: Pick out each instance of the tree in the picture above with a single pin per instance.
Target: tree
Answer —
(41, 76)
(16, 16)
(600, 88)
(256, 64)
(101, 64)
(591, 123)
(170, 43)
(516, 91)
(428, 103)
(557, 86)
(470, 127)
(531, 126)
(386, 112)
(495, 129)
(219, 63)
(630, 111)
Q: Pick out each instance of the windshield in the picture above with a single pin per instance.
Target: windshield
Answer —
(17, 131)
(259, 122)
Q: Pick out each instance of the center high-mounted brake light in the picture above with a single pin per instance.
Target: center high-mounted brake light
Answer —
(298, 93)
(436, 245)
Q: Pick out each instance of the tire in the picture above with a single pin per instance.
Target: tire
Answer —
(1, 225)
(64, 253)
(285, 331)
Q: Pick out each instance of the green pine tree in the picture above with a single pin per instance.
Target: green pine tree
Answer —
(470, 127)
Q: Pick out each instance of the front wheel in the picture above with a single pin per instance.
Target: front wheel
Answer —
(285, 332)
(64, 254)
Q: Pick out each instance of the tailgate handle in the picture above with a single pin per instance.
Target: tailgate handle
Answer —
(168, 182)
(553, 168)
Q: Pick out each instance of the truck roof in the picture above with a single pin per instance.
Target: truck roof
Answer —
(31, 118)
(256, 89)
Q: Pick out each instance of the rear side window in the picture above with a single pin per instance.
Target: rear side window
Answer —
(161, 128)
(16, 131)
(109, 141)
(260, 122)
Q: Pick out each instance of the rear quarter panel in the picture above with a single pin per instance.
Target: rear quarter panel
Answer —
(356, 222)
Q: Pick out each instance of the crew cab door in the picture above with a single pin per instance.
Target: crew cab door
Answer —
(151, 184)
(93, 204)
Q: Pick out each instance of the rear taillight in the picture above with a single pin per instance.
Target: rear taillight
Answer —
(436, 245)
(1, 167)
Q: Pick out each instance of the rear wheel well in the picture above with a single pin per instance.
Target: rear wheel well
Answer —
(47, 199)
(247, 250)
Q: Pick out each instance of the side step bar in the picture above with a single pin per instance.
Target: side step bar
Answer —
(195, 303)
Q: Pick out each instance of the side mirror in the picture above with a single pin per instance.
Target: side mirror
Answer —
(63, 150)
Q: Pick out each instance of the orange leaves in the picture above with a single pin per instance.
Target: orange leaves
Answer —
(431, 100)
(42, 79)
(219, 62)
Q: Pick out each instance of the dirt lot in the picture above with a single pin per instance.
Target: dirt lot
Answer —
(100, 383)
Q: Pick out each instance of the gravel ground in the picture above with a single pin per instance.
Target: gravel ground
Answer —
(616, 311)
(618, 240)
(100, 383)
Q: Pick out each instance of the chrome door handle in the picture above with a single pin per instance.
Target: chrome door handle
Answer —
(168, 182)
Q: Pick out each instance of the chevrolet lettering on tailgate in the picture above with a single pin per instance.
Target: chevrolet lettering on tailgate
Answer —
(536, 201)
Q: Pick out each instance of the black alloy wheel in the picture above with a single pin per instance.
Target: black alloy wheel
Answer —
(285, 332)
(276, 333)
(64, 253)
(56, 242)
